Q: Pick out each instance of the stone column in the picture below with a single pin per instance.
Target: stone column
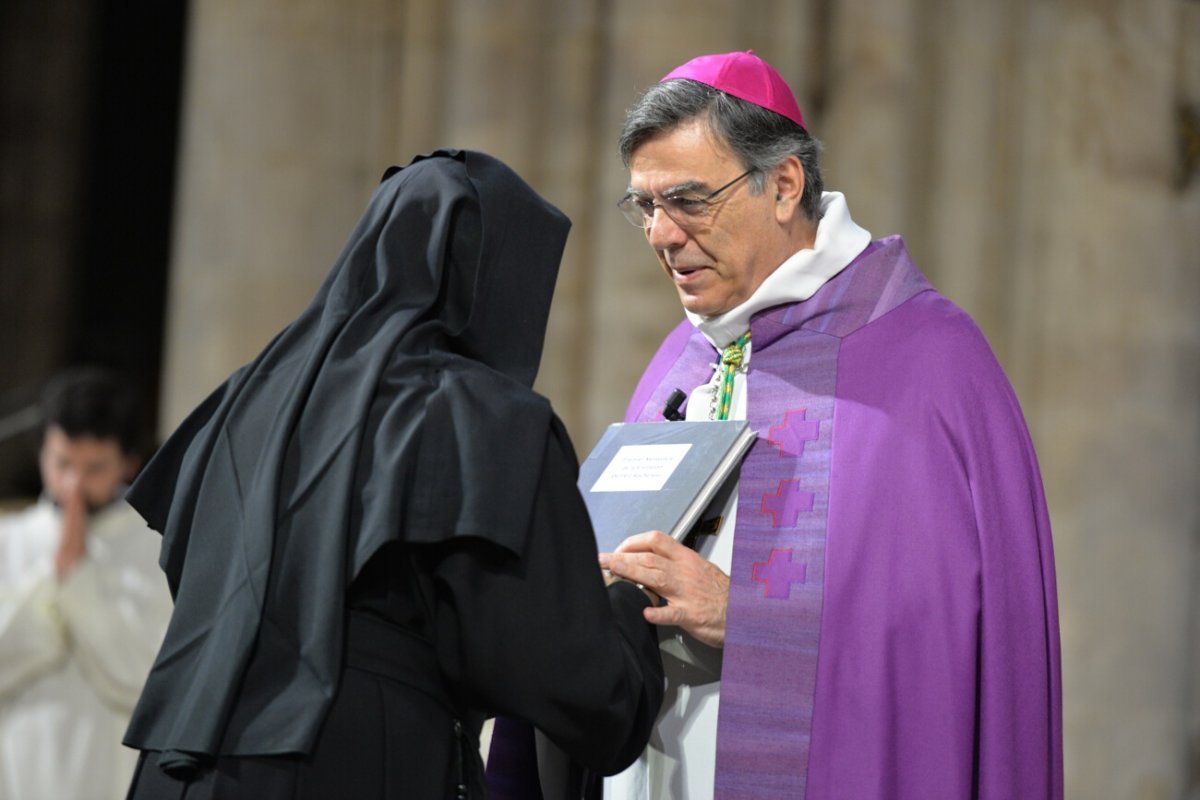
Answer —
(290, 112)
(1105, 348)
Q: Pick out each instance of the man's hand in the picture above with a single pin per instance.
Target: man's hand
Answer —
(72, 543)
(695, 591)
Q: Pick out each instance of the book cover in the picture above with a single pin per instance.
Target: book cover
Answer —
(645, 476)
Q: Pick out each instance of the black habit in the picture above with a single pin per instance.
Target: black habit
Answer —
(372, 531)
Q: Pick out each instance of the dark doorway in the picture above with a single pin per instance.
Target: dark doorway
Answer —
(90, 97)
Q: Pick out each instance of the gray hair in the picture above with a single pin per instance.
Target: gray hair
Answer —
(761, 139)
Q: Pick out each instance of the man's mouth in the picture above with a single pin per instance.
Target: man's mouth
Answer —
(685, 273)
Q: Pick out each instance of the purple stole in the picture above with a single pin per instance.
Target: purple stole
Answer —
(769, 666)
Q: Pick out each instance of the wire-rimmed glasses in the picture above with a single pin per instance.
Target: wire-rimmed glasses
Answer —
(683, 207)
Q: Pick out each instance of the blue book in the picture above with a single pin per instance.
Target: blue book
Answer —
(661, 476)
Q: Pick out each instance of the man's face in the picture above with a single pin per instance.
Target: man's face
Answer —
(85, 466)
(718, 263)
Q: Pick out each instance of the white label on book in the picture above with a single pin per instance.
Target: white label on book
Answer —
(641, 467)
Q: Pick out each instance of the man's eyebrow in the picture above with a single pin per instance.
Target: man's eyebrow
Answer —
(686, 186)
(679, 188)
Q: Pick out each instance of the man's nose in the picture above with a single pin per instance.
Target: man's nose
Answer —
(663, 232)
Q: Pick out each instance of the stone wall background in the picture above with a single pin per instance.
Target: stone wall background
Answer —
(1040, 157)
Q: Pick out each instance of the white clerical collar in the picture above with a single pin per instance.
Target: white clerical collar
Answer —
(839, 240)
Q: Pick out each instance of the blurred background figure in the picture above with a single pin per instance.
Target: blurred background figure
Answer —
(83, 603)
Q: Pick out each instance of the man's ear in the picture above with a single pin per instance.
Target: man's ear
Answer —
(788, 180)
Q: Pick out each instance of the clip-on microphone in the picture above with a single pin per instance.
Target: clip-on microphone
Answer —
(671, 409)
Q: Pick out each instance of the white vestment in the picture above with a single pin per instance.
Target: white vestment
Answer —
(74, 655)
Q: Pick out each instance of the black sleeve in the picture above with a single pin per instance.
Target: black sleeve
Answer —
(541, 638)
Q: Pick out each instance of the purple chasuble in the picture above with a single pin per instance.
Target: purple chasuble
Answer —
(892, 628)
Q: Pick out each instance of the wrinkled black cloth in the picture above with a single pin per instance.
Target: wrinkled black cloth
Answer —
(396, 408)
(455, 631)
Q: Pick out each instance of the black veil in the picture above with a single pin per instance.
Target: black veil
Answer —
(395, 407)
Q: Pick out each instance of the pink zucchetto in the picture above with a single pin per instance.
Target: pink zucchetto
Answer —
(743, 75)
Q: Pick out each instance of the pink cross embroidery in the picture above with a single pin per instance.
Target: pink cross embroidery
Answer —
(786, 504)
(779, 575)
(790, 436)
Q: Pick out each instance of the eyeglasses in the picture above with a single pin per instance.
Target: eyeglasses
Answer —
(684, 208)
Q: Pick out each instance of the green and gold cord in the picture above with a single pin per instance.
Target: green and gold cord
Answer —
(732, 358)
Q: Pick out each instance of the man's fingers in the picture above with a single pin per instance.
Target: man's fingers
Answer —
(639, 568)
(663, 615)
(647, 541)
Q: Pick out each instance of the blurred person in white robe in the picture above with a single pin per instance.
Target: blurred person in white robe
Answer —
(83, 602)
